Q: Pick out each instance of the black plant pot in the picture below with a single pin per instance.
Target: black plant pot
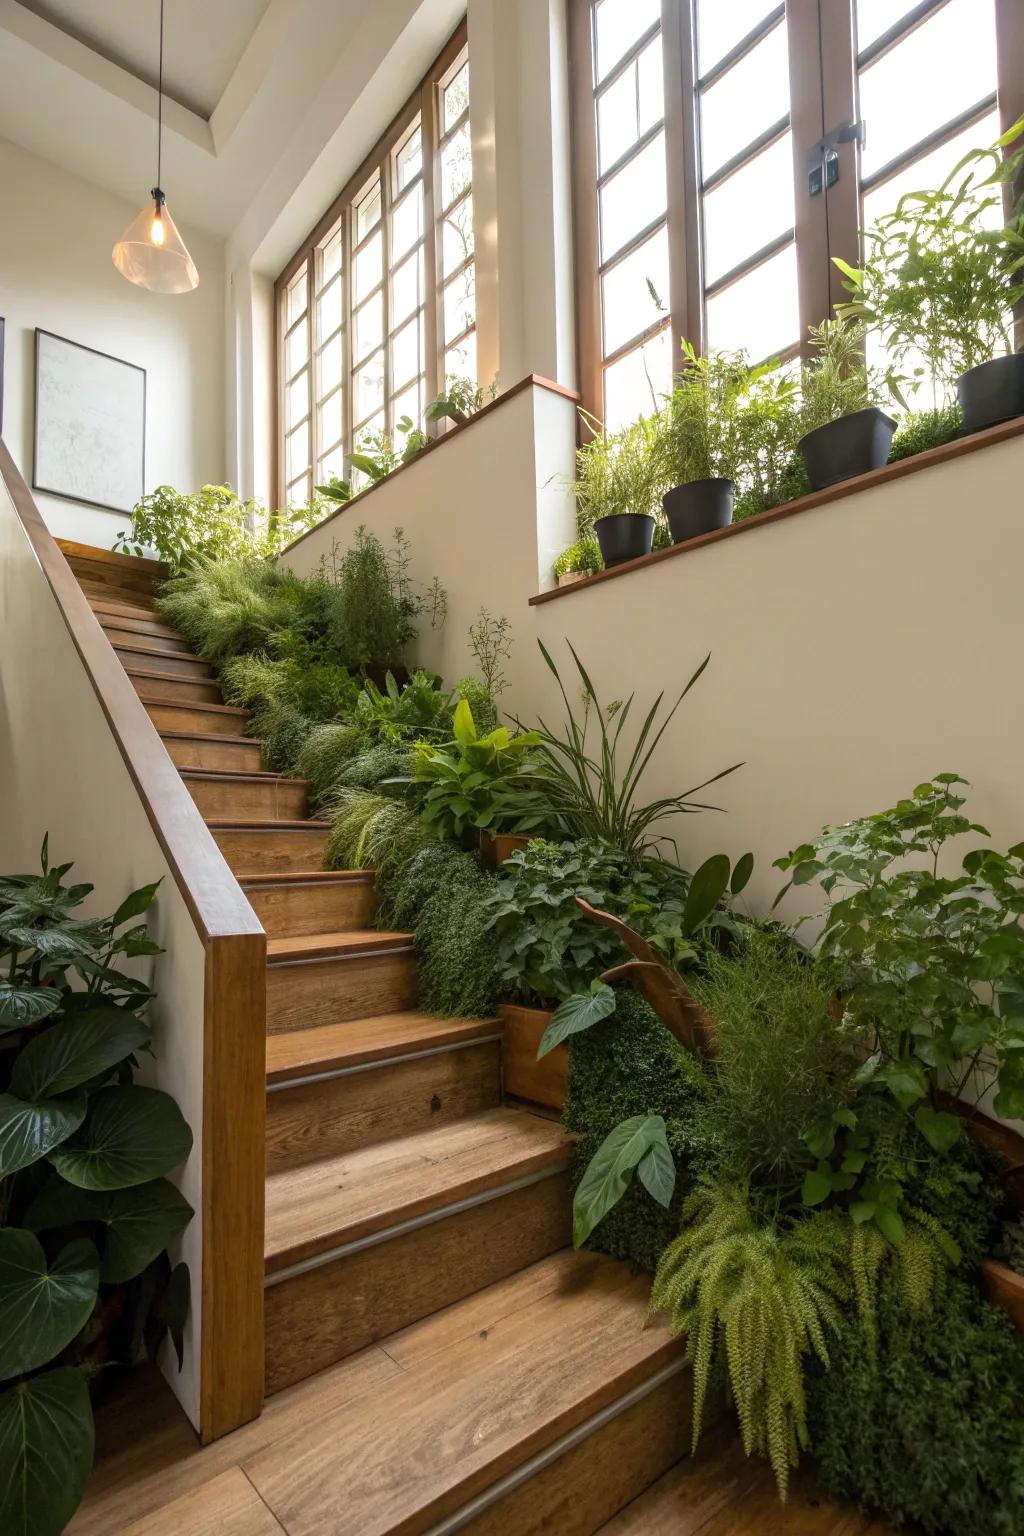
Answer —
(699, 507)
(853, 445)
(992, 392)
(624, 536)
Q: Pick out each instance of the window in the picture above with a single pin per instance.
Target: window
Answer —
(378, 305)
(704, 207)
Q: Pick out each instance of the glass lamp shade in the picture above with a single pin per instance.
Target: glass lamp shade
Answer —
(152, 254)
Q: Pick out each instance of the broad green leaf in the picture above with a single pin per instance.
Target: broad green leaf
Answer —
(130, 1135)
(742, 871)
(46, 1449)
(140, 1221)
(576, 1014)
(56, 944)
(656, 1170)
(26, 1005)
(906, 1084)
(463, 724)
(939, 1129)
(134, 905)
(817, 1186)
(75, 1051)
(610, 1170)
(862, 1211)
(41, 1308)
(31, 1131)
(707, 887)
(890, 1223)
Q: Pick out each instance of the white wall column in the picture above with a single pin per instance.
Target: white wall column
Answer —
(250, 369)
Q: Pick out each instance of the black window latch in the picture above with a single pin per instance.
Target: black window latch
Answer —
(823, 161)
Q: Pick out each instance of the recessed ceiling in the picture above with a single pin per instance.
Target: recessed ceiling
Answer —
(203, 39)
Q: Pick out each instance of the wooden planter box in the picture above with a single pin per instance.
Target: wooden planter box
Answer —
(1005, 1288)
(538, 1082)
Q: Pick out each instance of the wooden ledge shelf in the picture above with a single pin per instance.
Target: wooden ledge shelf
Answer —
(1005, 432)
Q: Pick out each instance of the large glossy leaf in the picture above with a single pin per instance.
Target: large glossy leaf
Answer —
(42, 1308)
(130, 1135)
(707, 887)
(57, 944)
(21, 1005)
(576, 1014)
(31, 1131)
(610, 1170)
(140, 1221)
(46, 1449)
(134, 905)
(76, 1050)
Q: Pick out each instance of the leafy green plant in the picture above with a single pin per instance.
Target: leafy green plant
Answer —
(618, 472)
(936, 279)
(926, 429)
(375, 622)
(490, 640)
(214, 523)
(376, 455)
(467, 781)
(637, 1146)
(232, 607)
(583, 557)
(460, 399)
(837, 381)
(86, 1212)
(440, 896)
(590, 794)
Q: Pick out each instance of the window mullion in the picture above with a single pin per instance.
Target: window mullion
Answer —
(433, 341)
(1010, 67)
(347, 296)
(387, 202)
(585, 207)
(682, 144)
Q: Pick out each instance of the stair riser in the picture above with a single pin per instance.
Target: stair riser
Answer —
(139, 610)
(237, 800)
(165, 661)
(123, 638)
(291, 911)
(175, 690)
(399, 1098)
(116, 585)
(577, 1494)
(330, 1312)
(124, 630)
(166, 717)
(333, 991)
(215, 757)
(259, 851)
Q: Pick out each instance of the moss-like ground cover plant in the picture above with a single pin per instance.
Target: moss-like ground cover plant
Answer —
(86, 1209)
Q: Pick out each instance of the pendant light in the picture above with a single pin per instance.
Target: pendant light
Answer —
(151, 253)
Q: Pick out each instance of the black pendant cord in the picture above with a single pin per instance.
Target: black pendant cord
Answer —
(160, 106)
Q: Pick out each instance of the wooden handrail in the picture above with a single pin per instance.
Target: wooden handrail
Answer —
(234, 1006)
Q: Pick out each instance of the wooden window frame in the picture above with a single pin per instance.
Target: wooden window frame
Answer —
(423, 105)
(824, 69)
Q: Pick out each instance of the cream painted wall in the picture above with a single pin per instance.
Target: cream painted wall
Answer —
(62, 773)
(55, 272)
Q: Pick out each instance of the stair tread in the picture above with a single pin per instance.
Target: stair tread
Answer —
(169, 677)
(304, 1052)
(213, 738)
(155, 650)
(308, 946)
(143, 608)
(72, 550)
(304, 876)
(498, 1379)
(204, 708)
(241, 776)
(225, 824)
(339, 1200)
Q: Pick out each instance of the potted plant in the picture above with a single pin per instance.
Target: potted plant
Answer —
(700, 441)
(580, 560)
(844, 430)
(617, 487)
(938, 280)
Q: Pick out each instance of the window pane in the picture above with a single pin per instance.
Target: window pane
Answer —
(456, 97)
(369, 267)
(457, 236)
(460, 302)
(368, 327)
(331, 418)
(749, 209)
(930, 171)
(300, 492)
(409, 160)
(461, 359)
(747, 100)
(619, 23)
(636, 384)
(296, 351)
(332, 463)
(456, 166)
(330, 255)
(409, 403)
(297, 451)
(942, 68)
(407, 352)
(367, 212)
(759, 313)
(628, 303)
(631, 105)
(876, 16)
(296, 297)
(721, 24)
(297, 399)
(369, 387)
(407, 288)
(406, 222)
(328, 310)
(633, 198)
(329, 366)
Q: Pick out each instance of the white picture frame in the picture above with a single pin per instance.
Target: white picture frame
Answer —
(90, 425)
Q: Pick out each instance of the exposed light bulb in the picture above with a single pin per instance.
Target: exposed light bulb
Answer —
(156, 232)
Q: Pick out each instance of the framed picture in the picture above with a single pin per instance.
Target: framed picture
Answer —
(90, 425)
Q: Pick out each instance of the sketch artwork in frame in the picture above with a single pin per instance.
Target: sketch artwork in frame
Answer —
(90, 427)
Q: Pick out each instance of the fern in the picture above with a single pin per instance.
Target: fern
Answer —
(764, 1297)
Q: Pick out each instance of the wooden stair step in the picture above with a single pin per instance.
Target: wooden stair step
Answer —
(132, 599)
(489, 1389)
(265, 847)
(207, 719)
(128, 628)
(142, 610)
(111, 559)
(324, 1099)
(212, 752)
(318, 979)
(228, 794)
(141, 651)
(312, 901)
(171, 687)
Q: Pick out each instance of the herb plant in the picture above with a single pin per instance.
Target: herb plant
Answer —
(490, 640)
(460, 399)
(618, 472)
(922, 430)
(837, 381)
(584, 556)
(212, 524)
